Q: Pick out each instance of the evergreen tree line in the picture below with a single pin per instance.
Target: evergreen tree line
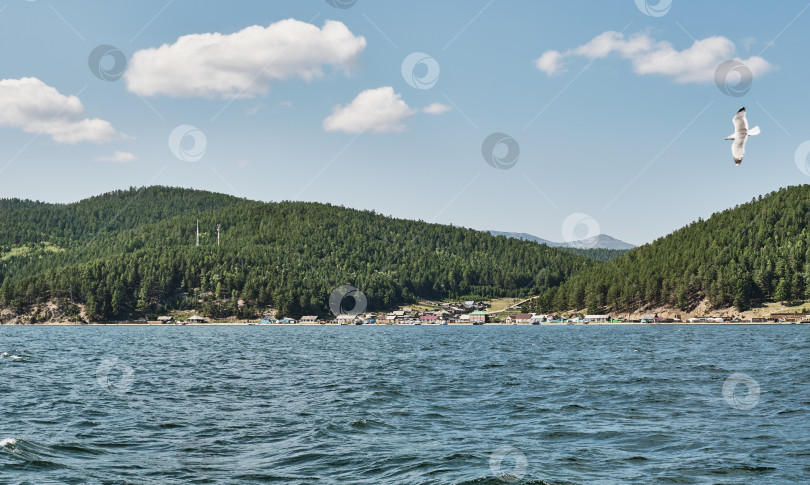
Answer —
(755, 252)
(132, 254)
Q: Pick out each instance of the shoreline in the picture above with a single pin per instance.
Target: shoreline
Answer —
(242, 324)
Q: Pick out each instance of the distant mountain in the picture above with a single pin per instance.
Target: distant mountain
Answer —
(602, 241)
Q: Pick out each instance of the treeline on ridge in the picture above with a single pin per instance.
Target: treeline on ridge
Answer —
(132, 254)
(755, 252)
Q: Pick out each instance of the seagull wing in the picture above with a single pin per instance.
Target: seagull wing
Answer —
(740, 122)
(738, 147)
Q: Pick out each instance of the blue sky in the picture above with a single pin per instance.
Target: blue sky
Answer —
(620, 130)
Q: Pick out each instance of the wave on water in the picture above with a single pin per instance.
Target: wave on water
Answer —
(8, 442)
(14, 357)
(310, 405)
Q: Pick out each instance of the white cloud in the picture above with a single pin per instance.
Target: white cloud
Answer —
(118, 157)
(549, 62)
(244, 63)
(695, 64)
(35, 107)
(436, 109)
(378, 110)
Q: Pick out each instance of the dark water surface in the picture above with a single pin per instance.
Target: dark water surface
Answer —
(482, 405)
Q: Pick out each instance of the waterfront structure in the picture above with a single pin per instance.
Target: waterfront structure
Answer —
(520, 318)
(478, 317)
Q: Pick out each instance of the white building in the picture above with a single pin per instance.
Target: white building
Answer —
(346, 318)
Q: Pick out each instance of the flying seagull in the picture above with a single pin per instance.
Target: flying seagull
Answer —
(741, 133)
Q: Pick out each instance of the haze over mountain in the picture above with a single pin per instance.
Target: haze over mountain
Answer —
(601, 241)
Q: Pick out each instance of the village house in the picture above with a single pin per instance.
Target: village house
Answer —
(346, 318)
(789, 317)
(538, 319)
(478, 317)
(597, 318)
(428, 319)
(650, 318)
(165, 319)
(309, 319)
(521, 318)
(196, 319)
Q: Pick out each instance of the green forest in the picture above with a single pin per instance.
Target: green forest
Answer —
(132, 254)
(752, 253)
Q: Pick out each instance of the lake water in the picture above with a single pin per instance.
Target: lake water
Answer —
(372, 405)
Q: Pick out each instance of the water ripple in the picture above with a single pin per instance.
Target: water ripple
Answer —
(370, 405)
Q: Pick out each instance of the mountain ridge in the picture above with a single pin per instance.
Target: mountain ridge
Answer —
(132, 254)
(601, 241)
(746, 256)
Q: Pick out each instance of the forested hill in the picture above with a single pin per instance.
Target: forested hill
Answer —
(132, 254)
(754, 252)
